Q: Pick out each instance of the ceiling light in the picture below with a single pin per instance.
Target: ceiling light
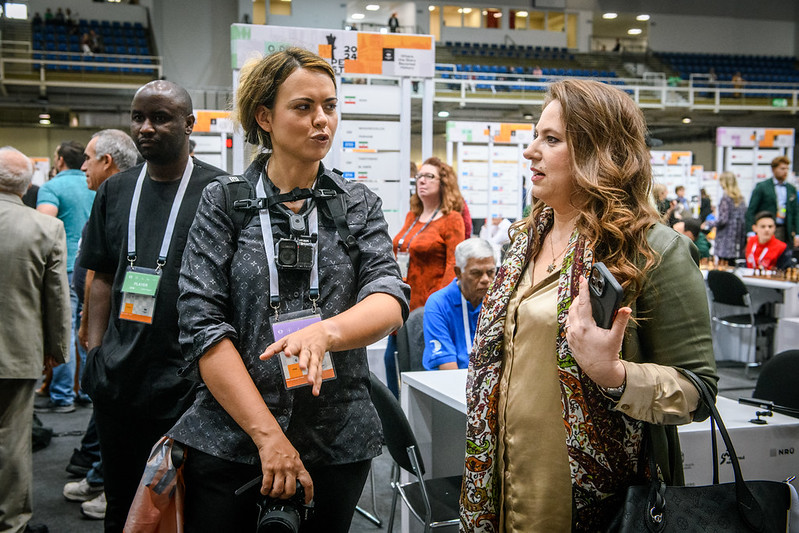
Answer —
(467, 10)
(460, 10)
(528, 116)
(484, 12)
(443, 114)
(642, 18)
(372, 7)
(44, 115)
(44, 121)
(686, 120)
(521, 13)
(431, 8)
(634, 31)
(357, 16)
(497, 14)
(610, 16)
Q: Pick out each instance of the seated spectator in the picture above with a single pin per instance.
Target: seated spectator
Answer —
(691, 228)
(495, 231)
(37, 19)
(447, 339)
(763, 249)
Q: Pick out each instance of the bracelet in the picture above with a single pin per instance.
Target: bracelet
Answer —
(614, 393)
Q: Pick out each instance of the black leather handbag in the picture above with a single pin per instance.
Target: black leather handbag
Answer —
(727, 507)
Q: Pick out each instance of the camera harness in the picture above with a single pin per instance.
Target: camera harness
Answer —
(269, 244)
(241, 200)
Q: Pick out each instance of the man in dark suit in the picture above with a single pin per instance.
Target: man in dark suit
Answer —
(777, 196)
(34, 331)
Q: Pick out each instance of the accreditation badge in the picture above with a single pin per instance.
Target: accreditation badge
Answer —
(403, 260)
(139, 289)
(287, 324)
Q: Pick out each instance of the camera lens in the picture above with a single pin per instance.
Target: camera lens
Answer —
(280, 521)
(287, 253)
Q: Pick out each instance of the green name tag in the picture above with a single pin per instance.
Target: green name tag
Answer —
(140, 283)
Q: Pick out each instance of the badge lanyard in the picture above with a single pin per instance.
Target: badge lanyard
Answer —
(170, 225)
(140, 285)
(402, 239)
(269, 248)
(466, 327)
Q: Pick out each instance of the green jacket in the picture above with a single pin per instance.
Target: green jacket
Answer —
(675, 325)
(764, 198)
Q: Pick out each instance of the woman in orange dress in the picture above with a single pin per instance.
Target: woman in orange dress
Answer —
(425, 246)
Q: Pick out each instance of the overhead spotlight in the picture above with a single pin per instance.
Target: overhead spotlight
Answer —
(44, 121)
(357, 16)
(484, 12)
(609, 16)
(497, 14)
(467, 10)
(373, 7)
(521, 13)
(44, 115)
(528, 116)
(686, 120)
(443, 114)
(642, 18)
(634, 31)
(431, 8)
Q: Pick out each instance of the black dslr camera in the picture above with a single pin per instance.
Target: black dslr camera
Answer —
(296, 252)
(281, 516)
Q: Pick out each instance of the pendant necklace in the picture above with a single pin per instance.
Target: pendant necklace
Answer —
(551, 266)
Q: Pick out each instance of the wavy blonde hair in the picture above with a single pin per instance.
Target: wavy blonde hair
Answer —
(730, 187)
(451, 198)
(605, 132)
(259, 81)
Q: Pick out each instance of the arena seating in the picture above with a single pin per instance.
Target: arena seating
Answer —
(125, 46)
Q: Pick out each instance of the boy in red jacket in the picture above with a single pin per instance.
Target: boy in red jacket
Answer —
(763, 250)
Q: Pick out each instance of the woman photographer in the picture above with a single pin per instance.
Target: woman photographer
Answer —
(558, 407)
(241, 292)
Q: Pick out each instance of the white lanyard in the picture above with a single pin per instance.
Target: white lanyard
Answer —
(402, 239)
(269, 248)
(173, 215)
(466, 327)
(759, 260)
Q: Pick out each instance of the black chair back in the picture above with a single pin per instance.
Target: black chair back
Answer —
(397, 430)
(410, 342)
(777, 380)
(727, 288)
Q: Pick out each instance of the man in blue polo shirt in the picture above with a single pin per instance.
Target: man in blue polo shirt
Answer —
(448, 340)
(67, 197)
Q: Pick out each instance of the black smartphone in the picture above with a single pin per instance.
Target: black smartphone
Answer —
(606, 295)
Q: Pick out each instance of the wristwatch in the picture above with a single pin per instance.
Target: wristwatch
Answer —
(614, 393)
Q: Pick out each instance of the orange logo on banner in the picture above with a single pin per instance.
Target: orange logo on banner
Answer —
(768, 139)
(370, 50)
(674, 157)
(203, 122)
(505, 130)
(325, 51)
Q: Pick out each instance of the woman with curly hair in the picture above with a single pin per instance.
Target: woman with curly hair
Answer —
(425, 246)
(558, 408)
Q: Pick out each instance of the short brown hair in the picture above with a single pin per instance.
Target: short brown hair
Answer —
(780, 160)
(451, 198)
(259, 81)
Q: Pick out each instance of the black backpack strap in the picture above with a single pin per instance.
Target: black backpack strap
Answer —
(238, 193)
(338, 212)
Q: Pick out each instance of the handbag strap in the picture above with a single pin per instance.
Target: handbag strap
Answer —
(748, 507)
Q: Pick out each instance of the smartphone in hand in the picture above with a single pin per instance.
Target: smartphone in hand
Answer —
(606, 295)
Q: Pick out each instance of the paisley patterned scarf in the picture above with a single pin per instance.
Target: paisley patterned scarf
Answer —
(603, 445)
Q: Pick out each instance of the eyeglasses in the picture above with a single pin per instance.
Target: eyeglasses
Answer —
(426, 176)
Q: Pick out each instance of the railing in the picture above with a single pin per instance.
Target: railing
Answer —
(65, 69)
(653, 92)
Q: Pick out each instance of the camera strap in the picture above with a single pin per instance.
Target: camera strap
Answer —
(269, 248)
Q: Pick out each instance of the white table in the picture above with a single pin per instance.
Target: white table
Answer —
(435, 404)
(785, 294)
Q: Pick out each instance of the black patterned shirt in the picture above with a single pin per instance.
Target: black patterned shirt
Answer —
(224, 287)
